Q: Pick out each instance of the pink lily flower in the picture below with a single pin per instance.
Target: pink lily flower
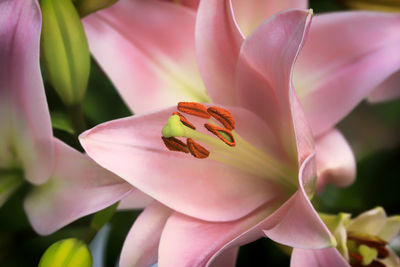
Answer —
(64, 178)
(255, 181)
(362, 241)
(145, 58)
(334, 72)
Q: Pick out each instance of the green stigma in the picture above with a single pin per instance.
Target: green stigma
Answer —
(173, 128)
(368, 254)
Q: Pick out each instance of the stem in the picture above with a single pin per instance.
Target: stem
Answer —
(77, 118)
(99, 220)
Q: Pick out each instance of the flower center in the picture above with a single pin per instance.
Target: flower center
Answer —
(222, 143)
(366, 250)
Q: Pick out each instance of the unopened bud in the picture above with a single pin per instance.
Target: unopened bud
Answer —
(67, 253)
(64, 49)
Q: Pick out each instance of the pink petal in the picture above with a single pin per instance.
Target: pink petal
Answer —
(335, 160)
(227, 259)
(188, 3)
(25, 132)
(186, 241)
(218, 42)
(135, 200)
(251, 13)
(264, 72)
(141, 244)
(346, 56)
(147, 50)
(387, 90)
(77, 188)
(132, 148)
(328, 257)
(296, 223)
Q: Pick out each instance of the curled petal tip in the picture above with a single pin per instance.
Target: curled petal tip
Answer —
(84, 135)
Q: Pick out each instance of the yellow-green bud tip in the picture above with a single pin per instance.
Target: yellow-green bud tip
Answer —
(173, 128)
(67, 253)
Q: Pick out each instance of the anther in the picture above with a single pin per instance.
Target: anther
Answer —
(224, 134)
(356, 256)
(370, 241)
(366, 239)
(193, 108)
(196, 149)
(223, 116)
(184, 120)
(175, 144)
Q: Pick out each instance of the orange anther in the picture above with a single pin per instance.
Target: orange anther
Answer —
(175, 144)
(184, 120)
(369, 240)
(196, 149)
(193, 108)
(223, 116)
(219, 131)
(383, 252)
(357, 257)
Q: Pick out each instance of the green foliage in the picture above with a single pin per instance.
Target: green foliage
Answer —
(61, 121)
(103, 216)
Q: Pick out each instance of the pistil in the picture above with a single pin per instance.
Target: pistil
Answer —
(229, 148)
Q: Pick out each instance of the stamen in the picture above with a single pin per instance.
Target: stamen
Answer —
(223, 116)
(383, 252)
(372, 242)
(356, 256)
(222, 133)
(196, 149)
(175, 144)
(184, 120)
(366, 239)
(239, 153)
(193, 108)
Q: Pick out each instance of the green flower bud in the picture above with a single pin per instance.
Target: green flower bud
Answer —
(85, 7)
(67, 253)
(65, 51)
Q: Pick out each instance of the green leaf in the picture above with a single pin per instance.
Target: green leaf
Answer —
(103, 216)
(10, 181)
(60, 121)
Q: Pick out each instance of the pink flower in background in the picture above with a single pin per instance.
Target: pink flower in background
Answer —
(362, 241)
(238, 193)
(68, 184)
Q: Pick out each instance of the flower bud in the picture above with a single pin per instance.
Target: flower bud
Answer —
(64, 49)
(85, 7)
(67, 253)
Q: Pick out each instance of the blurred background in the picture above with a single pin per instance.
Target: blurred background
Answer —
(372, 130)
